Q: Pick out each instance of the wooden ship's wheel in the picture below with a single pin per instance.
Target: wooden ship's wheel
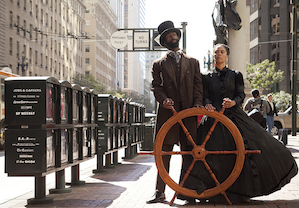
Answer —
(199, 153)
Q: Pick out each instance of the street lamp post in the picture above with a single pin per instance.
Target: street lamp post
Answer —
(184, 24)
(209, 60)
(23, 64)
(294, 68)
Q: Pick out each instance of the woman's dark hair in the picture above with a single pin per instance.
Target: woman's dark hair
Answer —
(223, 45)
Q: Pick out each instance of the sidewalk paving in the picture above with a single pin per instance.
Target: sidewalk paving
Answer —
(129, 185)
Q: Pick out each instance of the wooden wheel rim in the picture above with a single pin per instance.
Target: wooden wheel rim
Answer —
(240, 155)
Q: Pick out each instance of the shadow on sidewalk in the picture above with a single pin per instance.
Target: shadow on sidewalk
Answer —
(88, 195)
(123, 172)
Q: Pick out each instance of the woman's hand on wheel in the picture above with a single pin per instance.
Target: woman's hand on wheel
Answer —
(228, 103)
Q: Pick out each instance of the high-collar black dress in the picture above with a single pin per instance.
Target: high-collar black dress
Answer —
(262, 173)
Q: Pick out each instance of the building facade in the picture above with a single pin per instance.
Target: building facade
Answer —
(118, 8)
(270, 36)
(134, 62)
(49, 35)
(100, 57)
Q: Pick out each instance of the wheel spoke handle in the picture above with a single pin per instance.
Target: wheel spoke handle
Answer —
(176, 153)
(252, 151)
(226, 198)
(189, 137)
(211, 172)
(222, 152)
(146, 153)
(209, 133)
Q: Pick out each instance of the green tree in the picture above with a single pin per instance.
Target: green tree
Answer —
(142, 99)
(282, 100)
(88, 81)
(263, 75)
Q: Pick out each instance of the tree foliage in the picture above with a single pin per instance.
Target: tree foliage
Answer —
(282, 100)
(88, 81)
(263, 75)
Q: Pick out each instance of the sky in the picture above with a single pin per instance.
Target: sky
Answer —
(197, 13)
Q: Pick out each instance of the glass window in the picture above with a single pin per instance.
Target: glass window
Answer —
(254, 55)
(275, 3)
(50, 102)
(274, 24)
(254, 5)
(254, 29)
(87, 48)
(85, 108)
(75, 106)
(63, 105)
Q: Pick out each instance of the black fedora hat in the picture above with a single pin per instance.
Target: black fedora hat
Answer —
(166, 27)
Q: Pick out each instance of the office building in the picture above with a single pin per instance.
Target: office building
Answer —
(134, 62)
(100, 56)
(49, 34)
(271, 36)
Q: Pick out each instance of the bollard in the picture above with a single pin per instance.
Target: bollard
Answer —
(283, 136)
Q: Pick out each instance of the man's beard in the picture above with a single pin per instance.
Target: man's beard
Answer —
(172, 45)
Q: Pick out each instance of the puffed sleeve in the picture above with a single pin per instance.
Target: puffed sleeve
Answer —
(239, 88)
(206, 94)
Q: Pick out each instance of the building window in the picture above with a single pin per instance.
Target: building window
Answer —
(24, 31)
(87, 48)
(87, 61)
(10, 46)
(254, 5)
(18, 49)
(254, 55)
(18, 24)
(254, 29)
(275, 3)
(11, 19)
(274, 24)
(36, 11)
(275, 52)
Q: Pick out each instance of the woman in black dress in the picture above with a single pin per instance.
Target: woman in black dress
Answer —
(262, 173)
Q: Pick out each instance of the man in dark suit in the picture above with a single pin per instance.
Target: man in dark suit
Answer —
(176, 82)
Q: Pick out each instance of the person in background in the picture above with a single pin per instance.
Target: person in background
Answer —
(176, 83)
(256, 102)
(270, 115)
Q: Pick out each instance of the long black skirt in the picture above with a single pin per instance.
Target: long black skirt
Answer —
(262, 173)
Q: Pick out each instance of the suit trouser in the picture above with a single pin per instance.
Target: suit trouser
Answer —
(160, 186)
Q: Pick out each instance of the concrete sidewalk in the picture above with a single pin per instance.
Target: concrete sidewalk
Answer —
(128, 185)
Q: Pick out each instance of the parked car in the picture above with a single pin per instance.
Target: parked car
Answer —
(284, 121)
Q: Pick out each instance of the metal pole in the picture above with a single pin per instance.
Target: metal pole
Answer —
(184, 24)
(294, 69)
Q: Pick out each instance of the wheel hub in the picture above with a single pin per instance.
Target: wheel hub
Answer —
(199, 153)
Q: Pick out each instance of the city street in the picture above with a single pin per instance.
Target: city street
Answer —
(128, 185)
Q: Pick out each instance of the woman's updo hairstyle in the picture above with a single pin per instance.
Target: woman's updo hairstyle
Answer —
(223, 45)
